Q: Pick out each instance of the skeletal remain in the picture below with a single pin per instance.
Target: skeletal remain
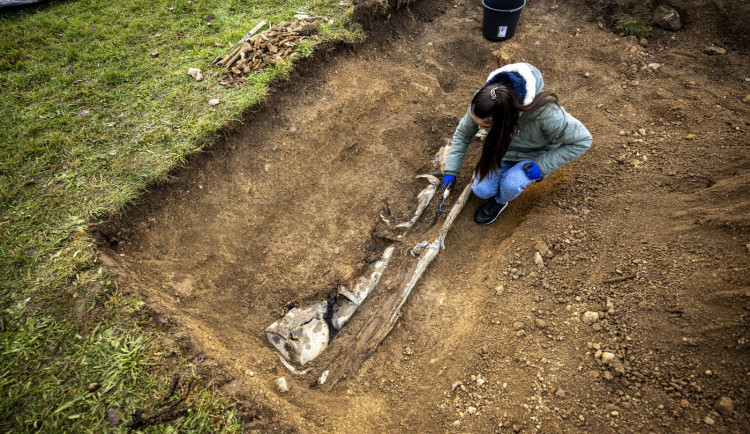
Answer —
(426, 255)
(291, 368)
(423, 199)
(441, 156)
(376, 330)
(301, 335)
(351, 299)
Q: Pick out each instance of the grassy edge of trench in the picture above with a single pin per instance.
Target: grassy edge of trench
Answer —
(98, 106)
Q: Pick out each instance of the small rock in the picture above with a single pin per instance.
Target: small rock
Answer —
(471, 410)
(195, 73)
(725, 406)
(590, 317)
(250, 373)
(281, 385)
(746, 100)
(538, 259)
(690, 137)
(713, 50)
(667, 18)
(618, 366)
(607, 357)
(517, 428)
(113, 416)
(540, 323)
(684, 403)
(213, 101)
(94, 386)
(708, 420)
(559, 392)
(608, 376)
(154, 53)
(518, 325)
(615, 413)
(543, 249)
(654, 66)
(521, 333)
(643, 42)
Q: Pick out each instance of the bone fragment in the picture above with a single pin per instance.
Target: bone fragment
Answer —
(428, 253)
(362, 288)
(441, 156)
(301, 335)
(423, 199)
(376, 330)
(291, 368)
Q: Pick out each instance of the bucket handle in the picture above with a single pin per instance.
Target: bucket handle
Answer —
(504, 10)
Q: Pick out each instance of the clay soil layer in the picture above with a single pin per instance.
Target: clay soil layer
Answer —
(649, 229)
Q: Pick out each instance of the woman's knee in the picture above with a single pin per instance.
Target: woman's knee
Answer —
(484, 190)
(513, 184)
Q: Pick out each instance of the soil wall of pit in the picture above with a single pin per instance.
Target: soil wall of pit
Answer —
(648, 228)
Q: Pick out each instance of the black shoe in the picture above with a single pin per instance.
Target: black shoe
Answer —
(489, 212)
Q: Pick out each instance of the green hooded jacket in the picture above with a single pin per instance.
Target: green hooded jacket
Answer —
(550, 139)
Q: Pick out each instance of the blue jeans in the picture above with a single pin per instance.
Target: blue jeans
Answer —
(505, 184)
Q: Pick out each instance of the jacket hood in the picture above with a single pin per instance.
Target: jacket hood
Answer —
(524, 80)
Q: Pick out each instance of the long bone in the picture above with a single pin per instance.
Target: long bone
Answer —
(423, 199)
(303, 333)
(382, 323)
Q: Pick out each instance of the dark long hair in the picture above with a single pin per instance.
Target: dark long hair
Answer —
(505, 112)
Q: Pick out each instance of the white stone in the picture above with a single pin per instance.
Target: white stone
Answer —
(590, 317)
(607, 357)
(281, 385)
(195, 73)
(538, 259)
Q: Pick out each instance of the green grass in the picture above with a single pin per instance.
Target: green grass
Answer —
(631, 27)
(49, 366)
(89, 119)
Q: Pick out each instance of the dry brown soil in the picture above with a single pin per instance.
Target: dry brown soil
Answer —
(650, 228)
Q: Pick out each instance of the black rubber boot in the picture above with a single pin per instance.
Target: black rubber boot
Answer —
(489, 212)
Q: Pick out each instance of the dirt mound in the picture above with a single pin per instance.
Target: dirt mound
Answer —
(637, 318)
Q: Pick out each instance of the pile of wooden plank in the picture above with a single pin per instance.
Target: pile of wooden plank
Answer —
(255, 52)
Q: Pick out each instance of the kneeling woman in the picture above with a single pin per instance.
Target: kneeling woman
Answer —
(530, 136)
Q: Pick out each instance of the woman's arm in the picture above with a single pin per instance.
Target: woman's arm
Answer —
(574, 139)
(466, 129)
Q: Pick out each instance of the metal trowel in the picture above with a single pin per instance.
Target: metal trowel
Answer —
(446, 193)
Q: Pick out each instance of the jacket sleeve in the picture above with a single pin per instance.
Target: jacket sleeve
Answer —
(574, 139)
(465, 131)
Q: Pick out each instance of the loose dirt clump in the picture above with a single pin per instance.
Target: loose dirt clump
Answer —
(645, 236)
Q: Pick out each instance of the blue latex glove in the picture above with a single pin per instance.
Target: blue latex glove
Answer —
(533, 171)
(448, 181)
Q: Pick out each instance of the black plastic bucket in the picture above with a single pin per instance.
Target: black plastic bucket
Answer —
(500, 18)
